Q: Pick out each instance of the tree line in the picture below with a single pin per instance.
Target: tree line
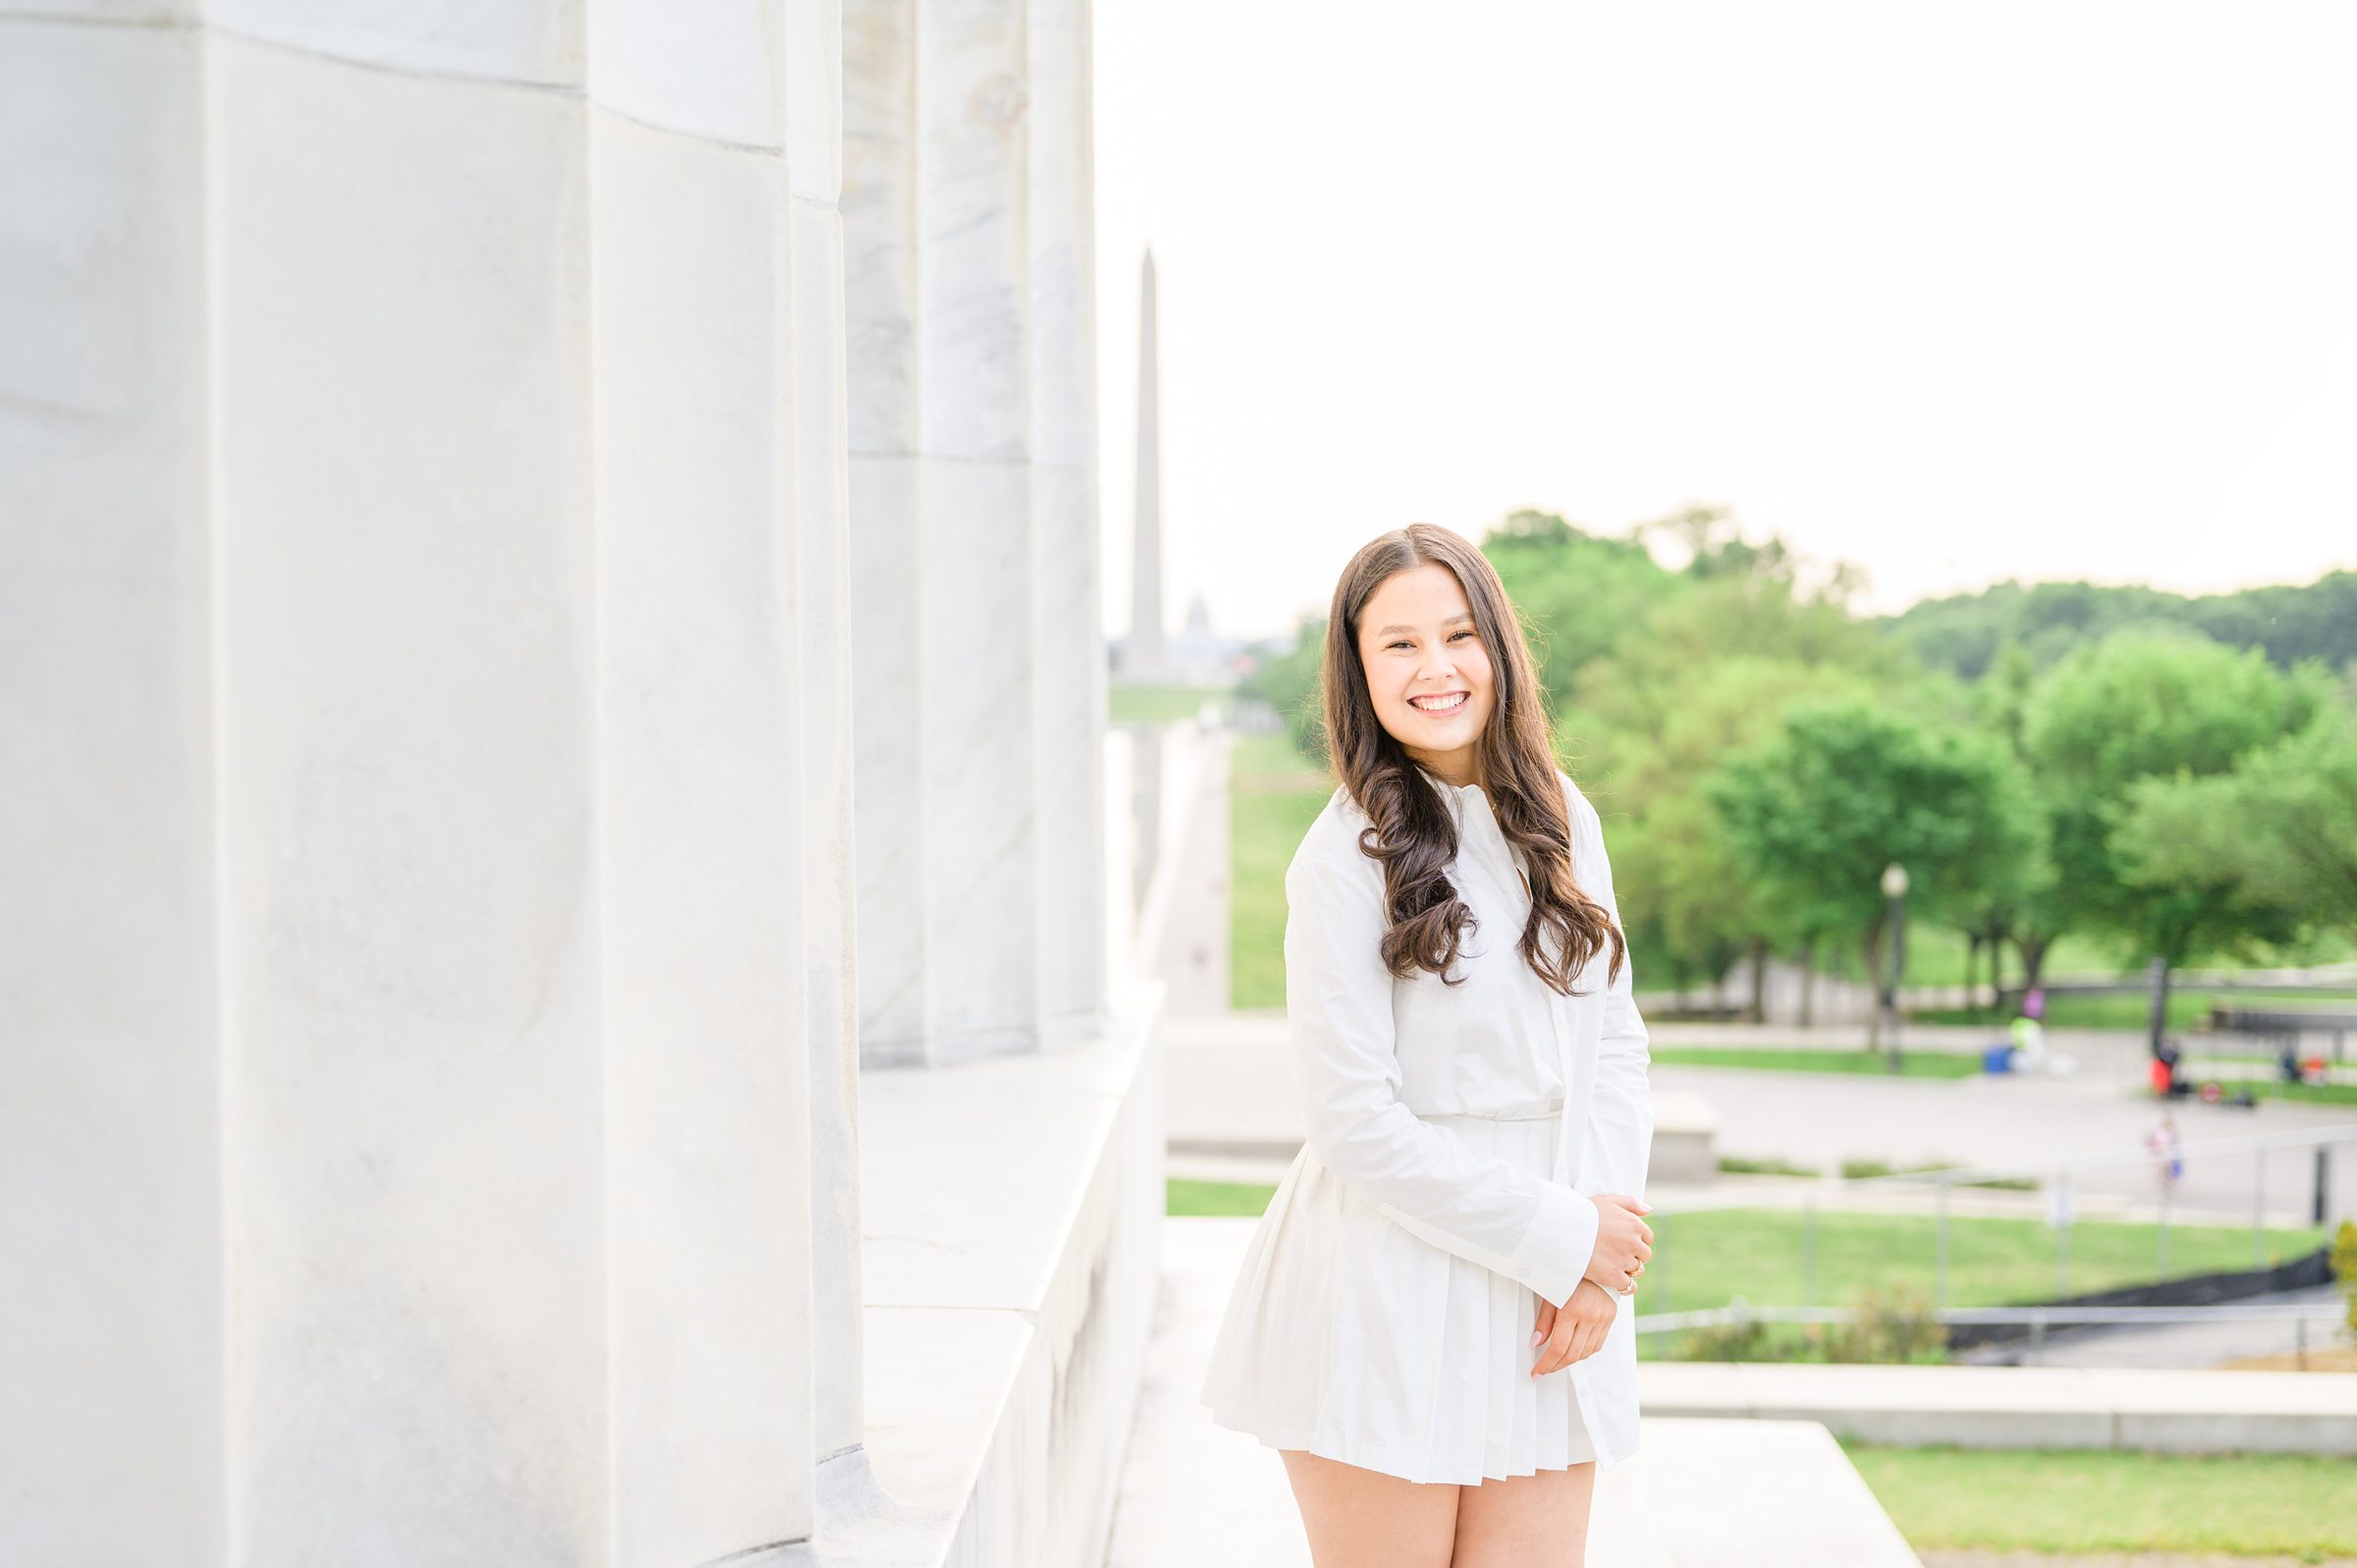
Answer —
(2177, 775)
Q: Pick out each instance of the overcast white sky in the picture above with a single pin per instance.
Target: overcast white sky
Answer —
(2050, 290)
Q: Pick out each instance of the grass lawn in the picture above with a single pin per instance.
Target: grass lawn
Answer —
(1802, 1058)
(1185, 1197)
(1275, 793)
(1159, 704)
(2188, 1010)
(2091, 1500)
(1936, 957)
(1708, 1256)
(2315, 1094)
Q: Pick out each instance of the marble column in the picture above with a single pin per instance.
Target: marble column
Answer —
(888, 632)
(112, 1435)
(977, 815)
(1143, 656)
(938, 303)
(829, 854)
(967, 215)
(713, 260)
(1068, 649)
(406, 714)
(425, 850)
(442, 700)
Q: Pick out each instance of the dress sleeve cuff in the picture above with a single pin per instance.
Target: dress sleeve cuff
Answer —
(1553, 1255)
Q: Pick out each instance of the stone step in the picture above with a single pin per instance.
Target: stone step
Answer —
(1714, 1493)
(2014, 1407)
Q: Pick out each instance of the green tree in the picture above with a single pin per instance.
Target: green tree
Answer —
(1710, 672)
(1580, 594)
(2145, 703)
(1650, 727)
(1287, 682)
(1848, 786)
(2274, 840)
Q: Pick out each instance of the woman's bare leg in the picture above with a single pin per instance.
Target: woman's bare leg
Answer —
(1536, 1521)
(1360, 1518)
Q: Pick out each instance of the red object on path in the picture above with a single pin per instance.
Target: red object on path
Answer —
(2160, 1076)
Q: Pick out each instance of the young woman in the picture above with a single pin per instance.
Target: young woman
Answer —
(1432, 1323)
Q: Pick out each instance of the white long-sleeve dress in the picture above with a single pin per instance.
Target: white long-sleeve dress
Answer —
(1384, 1309)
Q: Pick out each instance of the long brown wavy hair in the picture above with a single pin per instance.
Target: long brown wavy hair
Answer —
(1411, 832)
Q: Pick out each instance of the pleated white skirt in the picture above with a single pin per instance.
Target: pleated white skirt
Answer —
(1351, 1337)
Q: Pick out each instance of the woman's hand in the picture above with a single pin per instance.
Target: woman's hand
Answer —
(1624, 1242)
(1576, 1331)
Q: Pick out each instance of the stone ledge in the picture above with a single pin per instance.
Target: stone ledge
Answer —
(2009, 1407)
(1782, 1495)
(1012, 1211)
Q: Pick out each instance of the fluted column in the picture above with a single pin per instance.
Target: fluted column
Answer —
(714, 264)
(406, 711)
(980, 816)
(813, 34)
(888, 632)
(1068, 647)
(938, 175)
(1143, 656)
(112, 1427)
(426, 835)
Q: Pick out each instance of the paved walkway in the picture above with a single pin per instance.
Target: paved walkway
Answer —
(1233, 1077)
(2178, 1345)
(1183, 930)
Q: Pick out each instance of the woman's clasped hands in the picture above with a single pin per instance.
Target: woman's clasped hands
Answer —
(1576, 1329)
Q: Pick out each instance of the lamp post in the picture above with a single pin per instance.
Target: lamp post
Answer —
(1894, 889)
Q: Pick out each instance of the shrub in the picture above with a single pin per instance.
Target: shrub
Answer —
(2343, 1262)
(1746, 1165)
(1734, 1342)
(1894, 1325)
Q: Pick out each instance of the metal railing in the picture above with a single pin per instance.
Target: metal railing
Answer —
(2056, 1181)
(2037, 1319)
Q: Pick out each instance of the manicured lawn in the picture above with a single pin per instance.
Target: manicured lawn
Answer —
(2091, 1500)
(2318, 1094)
(2187, 1008)
(1708, 1256)
(1217, 1196)
(1159, 704)
(1936, 957)
(1275, 793)
(1801, 1059)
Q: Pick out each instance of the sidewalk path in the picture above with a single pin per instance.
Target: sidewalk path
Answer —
(1230, 1078)
(2190, 1345)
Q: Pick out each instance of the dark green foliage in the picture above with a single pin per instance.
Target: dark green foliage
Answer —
(2129, 769)
(1967, 632)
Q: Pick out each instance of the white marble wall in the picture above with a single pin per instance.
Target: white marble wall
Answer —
(425, 850)
(967, 208)
(111, 1268)
(465, 786)
(703, 811)
(1068, 646)
(406, 708)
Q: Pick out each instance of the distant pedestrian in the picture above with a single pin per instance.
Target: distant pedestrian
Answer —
(2029, 1043)
(2169, 1159)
